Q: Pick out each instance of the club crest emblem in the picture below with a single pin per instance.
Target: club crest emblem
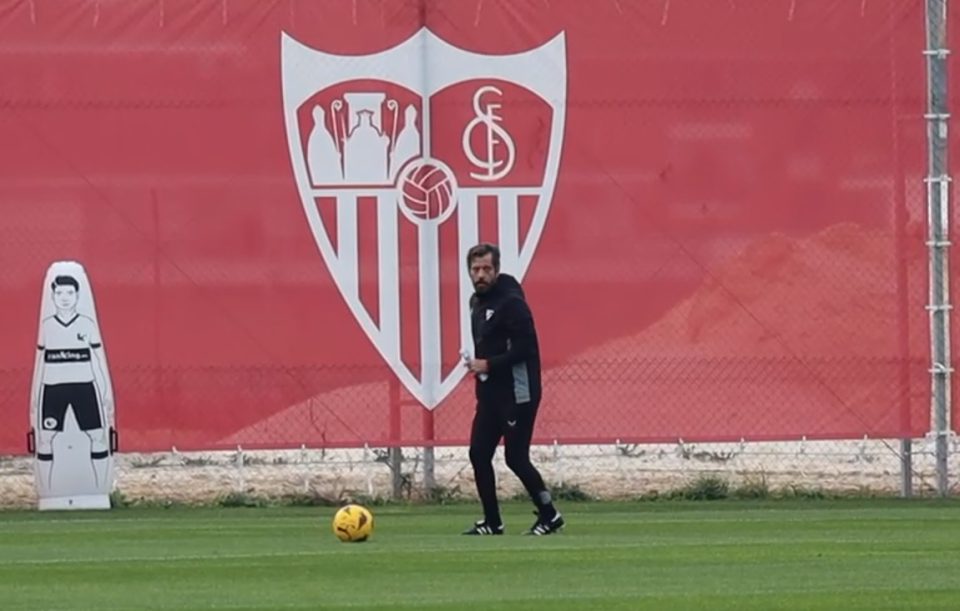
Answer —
(405, 158)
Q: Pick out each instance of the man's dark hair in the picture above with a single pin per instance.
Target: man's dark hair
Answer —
(65, 281)
(482, 250)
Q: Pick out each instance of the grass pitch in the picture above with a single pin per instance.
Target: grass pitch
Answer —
(865, 554)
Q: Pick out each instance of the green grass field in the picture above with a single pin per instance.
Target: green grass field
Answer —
(814, 554)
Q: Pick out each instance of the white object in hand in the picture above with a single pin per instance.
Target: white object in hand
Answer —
(466, 357)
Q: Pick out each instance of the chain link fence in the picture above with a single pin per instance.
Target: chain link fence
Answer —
(740, 289)
(625, 471)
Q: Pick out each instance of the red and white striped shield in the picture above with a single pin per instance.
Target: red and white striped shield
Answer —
(405, 159)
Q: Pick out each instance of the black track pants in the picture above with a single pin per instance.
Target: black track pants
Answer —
(514, 424)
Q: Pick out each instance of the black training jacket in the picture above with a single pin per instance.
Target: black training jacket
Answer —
(504, 334)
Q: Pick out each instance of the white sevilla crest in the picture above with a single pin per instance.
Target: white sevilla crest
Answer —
(405, 159)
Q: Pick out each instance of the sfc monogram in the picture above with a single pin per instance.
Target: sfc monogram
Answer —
(424, 140)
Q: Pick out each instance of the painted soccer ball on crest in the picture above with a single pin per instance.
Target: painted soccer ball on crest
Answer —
(353, 523)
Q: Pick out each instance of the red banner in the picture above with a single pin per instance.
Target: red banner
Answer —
(716, 209)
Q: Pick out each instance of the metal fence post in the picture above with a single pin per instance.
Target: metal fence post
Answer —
(938, 210)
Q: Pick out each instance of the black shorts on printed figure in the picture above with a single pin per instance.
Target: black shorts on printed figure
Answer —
(81, 395)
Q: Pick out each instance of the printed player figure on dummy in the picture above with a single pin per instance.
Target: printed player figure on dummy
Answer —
(71, 373)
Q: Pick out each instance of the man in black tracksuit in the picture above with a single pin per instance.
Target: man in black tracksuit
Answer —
(506, 364)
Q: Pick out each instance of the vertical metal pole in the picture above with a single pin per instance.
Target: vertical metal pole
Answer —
(395, 451)
(906, 468)
(938, 191)
(159, 385)
(396, 470)
(901, 217)
(429, 474)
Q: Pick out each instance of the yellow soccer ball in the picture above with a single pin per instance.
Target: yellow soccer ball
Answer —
(353, 523)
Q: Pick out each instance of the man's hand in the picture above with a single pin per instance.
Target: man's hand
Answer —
(478, 365)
